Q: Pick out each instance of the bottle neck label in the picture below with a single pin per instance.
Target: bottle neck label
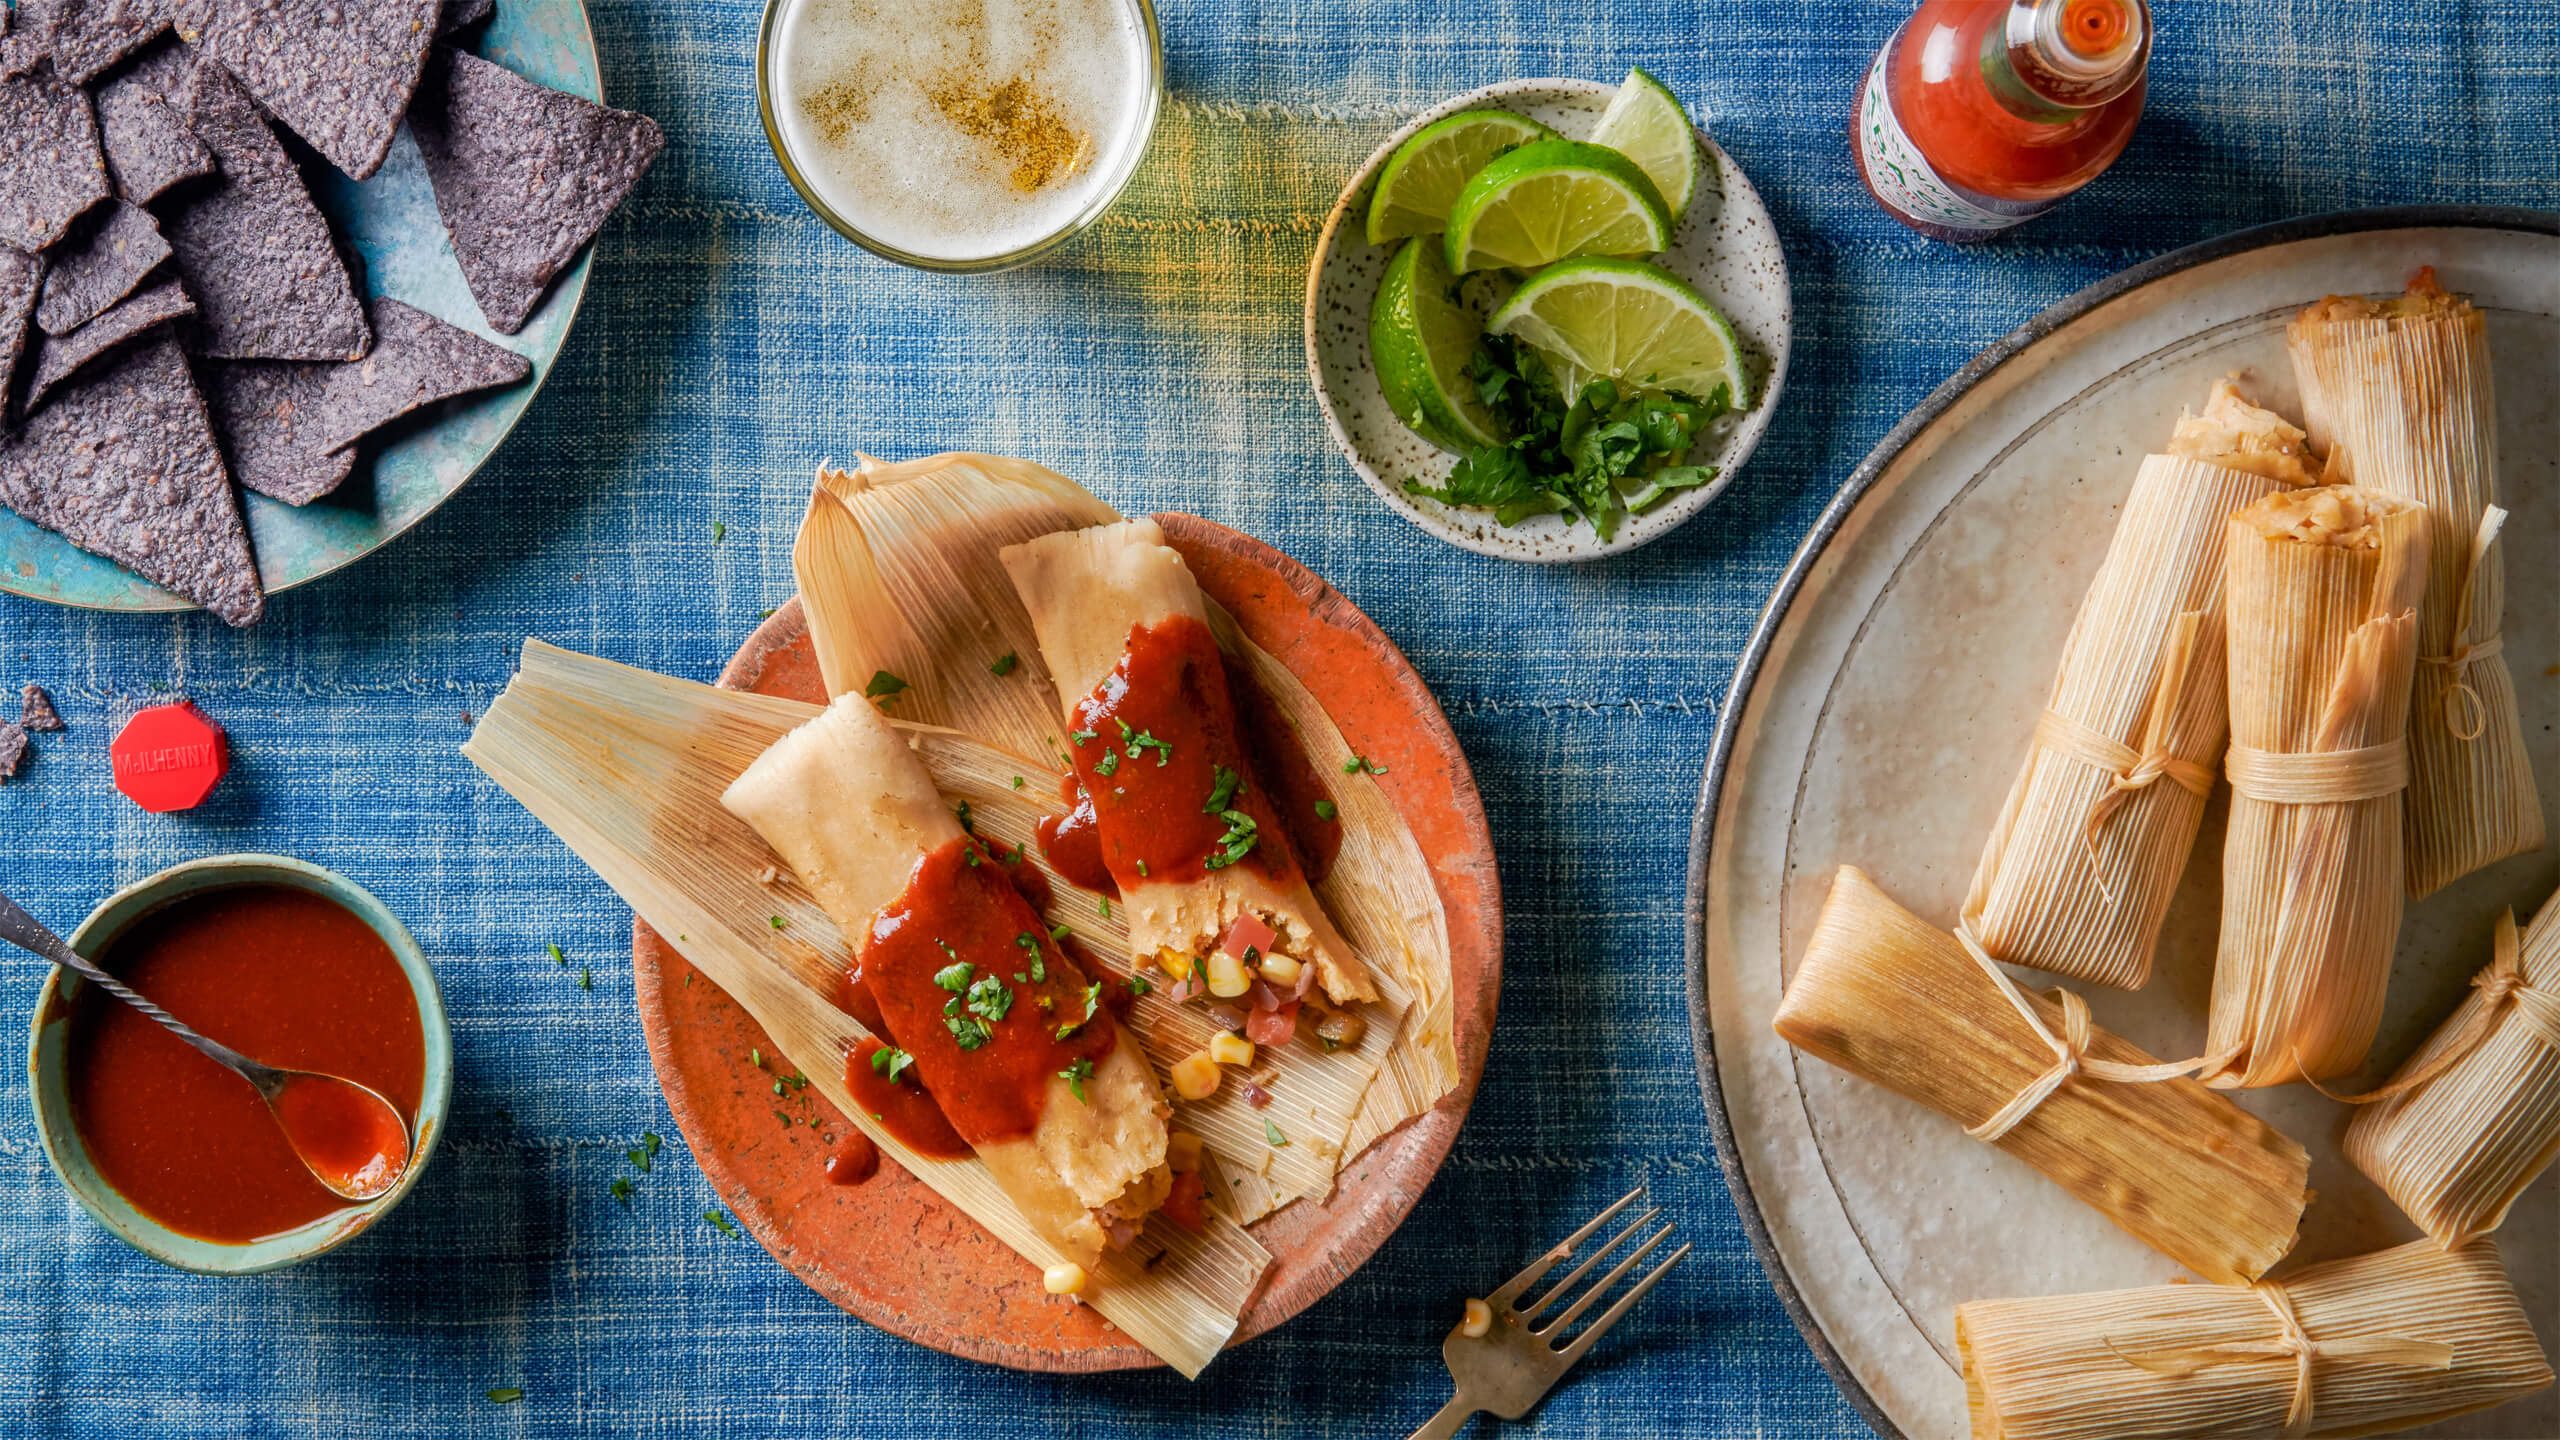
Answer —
(1904, 180)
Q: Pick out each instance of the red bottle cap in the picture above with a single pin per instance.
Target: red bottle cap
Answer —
(169, 757)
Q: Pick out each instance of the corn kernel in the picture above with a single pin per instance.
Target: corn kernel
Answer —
(1229, 1048)
(1182, 1151)
(1064, 1278)
(1227, 979)
(1479, 1320)
(1282, 969)
(1195, 1076)
(1173, 963)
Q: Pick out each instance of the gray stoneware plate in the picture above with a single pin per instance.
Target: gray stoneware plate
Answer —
(399, 248)
(1882, 708)
(1726, 246)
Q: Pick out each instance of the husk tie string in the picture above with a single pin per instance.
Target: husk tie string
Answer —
(2462, 703)
(2070, 1049)
(2132, 771)
(2294, 1342)
(2502, 983)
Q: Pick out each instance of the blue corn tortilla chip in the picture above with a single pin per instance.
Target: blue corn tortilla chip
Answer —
(85, 38)
(35, 709)
(21, 281)
(123, 464)
(524, 176)
(21, 48)
(149, 147)
(252, 247)
(268, 415)
(50, 168)
(416, 360)
(62, 355)
(99, 267)
(13, 748)
(463, 14)
(339, 74)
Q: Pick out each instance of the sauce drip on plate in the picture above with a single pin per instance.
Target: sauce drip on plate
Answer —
(280, 974)
(902, 1106)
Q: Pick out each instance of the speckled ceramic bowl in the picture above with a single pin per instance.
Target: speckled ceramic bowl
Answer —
(1726, 246)
(50, 1096)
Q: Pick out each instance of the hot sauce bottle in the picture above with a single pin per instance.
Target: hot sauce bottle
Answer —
(1983, 114)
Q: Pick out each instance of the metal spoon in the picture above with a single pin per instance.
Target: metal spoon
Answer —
(296, 1098)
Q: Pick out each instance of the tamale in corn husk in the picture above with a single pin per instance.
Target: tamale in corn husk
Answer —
(2321, 594)
(2078, 871)
(2474, 1115)
(1081, 1149)
(627, 768)
(1892, 999)
(899, 571)
(2387, 1341)
(2399, 393)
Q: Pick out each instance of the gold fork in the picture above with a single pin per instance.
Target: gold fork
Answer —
(1502, 1365)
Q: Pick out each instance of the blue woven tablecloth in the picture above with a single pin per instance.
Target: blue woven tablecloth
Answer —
(729, 343)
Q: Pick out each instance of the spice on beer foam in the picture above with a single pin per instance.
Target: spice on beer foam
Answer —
(1023, 126)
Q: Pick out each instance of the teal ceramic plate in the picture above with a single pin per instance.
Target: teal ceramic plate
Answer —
(390, 225)
(47, 1092)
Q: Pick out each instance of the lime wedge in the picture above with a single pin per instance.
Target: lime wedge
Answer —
(1645, 123)
(1630, 322)
(1422, 338)
(1551, 199)
(1422, 179)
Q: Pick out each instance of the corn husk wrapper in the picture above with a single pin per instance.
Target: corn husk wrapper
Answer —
(2077, 874)
(2474, 1115)
(2399, 393)
(2322, 641)
(919, 541)
(2388, 1341)
(1892, 999)
(627, 768)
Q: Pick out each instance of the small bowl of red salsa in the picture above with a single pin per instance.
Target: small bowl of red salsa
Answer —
(281, 960)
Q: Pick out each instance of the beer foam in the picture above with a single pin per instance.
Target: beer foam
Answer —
(961, 129)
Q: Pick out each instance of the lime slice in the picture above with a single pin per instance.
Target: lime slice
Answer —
(1645, 123)
(1422, 179)
(1550, 199)
(1422, 338)
(1631, 322)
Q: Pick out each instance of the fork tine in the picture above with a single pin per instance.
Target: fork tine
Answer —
(1544, 1263)
(1583, 1342)
(1592, 1296)
(1558, 1290)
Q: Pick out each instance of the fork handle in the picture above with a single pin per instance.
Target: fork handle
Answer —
(1453, 1417)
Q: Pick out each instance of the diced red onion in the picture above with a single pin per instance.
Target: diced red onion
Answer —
(1306, 977)
(1255, 1095)
(1262, 996)
(1186, 988)
(1226, 1016)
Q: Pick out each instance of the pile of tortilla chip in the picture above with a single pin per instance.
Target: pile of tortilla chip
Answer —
(176, 316)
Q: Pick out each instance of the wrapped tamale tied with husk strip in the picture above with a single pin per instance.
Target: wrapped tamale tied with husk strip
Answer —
(2078, 872)
(2474, 1116)
(2381, 1342)
(2321, 594)
(1892, 999)
(2398, 392)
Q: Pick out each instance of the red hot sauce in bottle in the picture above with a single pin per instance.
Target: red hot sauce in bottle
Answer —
(1983, 114)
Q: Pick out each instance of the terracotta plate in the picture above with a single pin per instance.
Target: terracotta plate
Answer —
(1883, 707)
(890, 1250)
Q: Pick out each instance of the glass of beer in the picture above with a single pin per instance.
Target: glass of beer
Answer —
(959, 134)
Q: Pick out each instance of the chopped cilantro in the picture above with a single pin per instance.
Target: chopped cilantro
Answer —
(505, 1395)
(620, 1189)
(777, 1089)
(1242, 834)
(1075, 1075)
(586, 978)
(1092, 1007)
(1079, 736)
(954, 978)
(1017, 782)
(1138, 985)
(988, 999)
(776, 919)
(559, 959)
(720, 1222)
(1106, 906)
(1358, 763)
(1271, 1133)
(1058, 933)
(968, 820)
(890, 1062)
(1003, 664)
(1325, 810)
(1109, 764)
(884, 687)
(1142, 867)
(719, 531)
(1144, 741)
(970, 855)
(756, 1058)
(649, 1141)
(638, 1157)
(1223, 793)
(967, 1031)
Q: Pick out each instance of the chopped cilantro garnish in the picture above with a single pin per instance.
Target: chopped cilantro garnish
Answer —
(1223, 793)
(776, 921)
(620, 1189)
(1271, 1133)
(970, 855)
(1138, 985)
(988, 999)
(884, 687)
(557, 958)
(1058, 933)
(890, 1062)
(1012, 856)
(638, 1157)
(777, 1089)
(954, 978)
(719, 531)
(1003, 664)
(1017, 782)
(1106, 907)
(968, 821)
(756, 1058)
(1079, 736)
(1358, 763)
(505, 1395)
(1092, 1007)
(586, 978)
(649, 1141)
(1242, 834)
(1142, 867)
(967, 1031)
(1109, 764)
(1325, 810)
(720, 1222)
(1144, 741)
(1075, 1075)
